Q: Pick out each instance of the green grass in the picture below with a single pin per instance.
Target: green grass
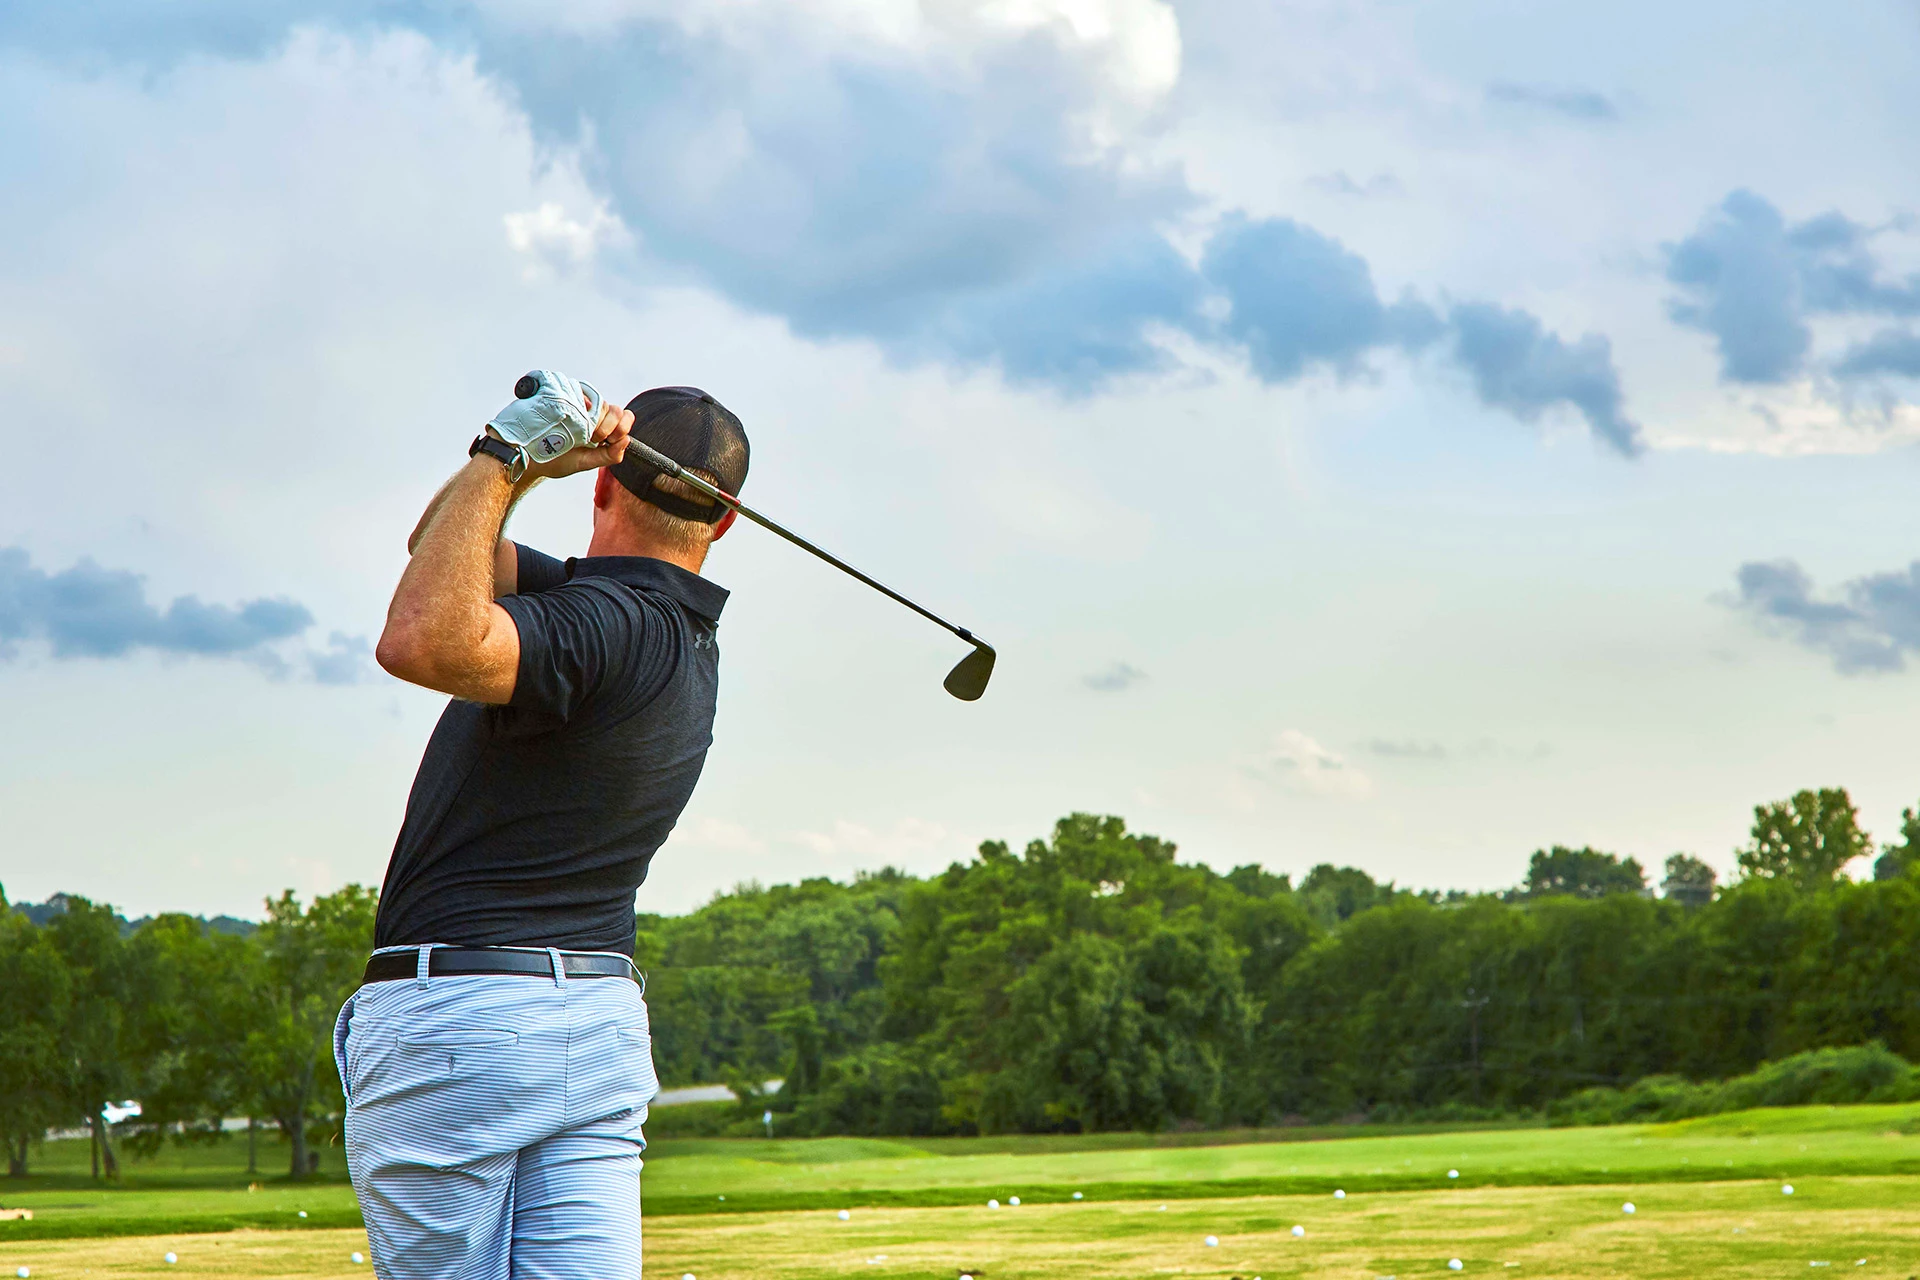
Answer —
(1741, 1231)
(206, 1189)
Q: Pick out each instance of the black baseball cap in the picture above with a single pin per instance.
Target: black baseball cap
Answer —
(696, 431)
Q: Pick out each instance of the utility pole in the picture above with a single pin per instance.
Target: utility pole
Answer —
(1473, 1007)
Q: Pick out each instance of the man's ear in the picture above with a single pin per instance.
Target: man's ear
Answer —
(721, 525)
(603, 483)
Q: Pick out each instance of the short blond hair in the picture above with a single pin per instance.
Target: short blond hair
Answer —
(687, 537)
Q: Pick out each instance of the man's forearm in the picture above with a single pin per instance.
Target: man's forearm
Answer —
(441, 609)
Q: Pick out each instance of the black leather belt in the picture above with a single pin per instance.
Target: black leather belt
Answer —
(451, 961)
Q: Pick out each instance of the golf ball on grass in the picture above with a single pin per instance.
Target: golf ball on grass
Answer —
(1298, 1231)
(23, 1273)
(1454, 1264)
(1787, 1190)
(1078, 1196)
(1453, 1173)
(845, 1216)
(1213, 1242)
(303, 1213)
(357, 1258)
(1014, 1201)
(1627, 1207)
(993, 1204)
(172, 1258)
(1339, 1195)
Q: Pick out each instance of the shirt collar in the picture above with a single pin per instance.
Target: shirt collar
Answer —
(692, 592)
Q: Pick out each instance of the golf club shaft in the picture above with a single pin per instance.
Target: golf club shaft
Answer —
(678, 472)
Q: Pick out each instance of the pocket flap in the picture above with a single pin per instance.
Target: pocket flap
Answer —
(455, 1036)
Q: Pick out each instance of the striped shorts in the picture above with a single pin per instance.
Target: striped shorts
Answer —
(493, 1124)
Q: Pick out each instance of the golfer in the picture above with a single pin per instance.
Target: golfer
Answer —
(497, 1062)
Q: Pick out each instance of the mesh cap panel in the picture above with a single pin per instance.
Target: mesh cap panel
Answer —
(696, 431)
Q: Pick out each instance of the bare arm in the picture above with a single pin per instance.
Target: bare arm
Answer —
(443, 629)
(506, 560)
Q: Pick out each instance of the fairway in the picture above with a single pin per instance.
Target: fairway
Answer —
(1862, 1226)
(202, 1190)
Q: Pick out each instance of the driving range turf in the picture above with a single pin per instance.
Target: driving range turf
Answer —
(1541, 1202)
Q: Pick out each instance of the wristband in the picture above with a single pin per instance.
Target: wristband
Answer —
(512, 456)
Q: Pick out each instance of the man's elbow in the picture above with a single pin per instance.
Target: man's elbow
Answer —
(405, 653)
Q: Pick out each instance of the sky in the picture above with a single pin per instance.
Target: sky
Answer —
(1388, 433)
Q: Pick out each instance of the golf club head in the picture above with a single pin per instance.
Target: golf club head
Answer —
(968, 679)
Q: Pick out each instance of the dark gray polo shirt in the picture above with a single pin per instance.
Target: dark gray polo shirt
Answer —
(532, 824)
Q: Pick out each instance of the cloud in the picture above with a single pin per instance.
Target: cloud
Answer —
(1296, 761)
(976, 184)
(1301, 299)
(907, 841)
(1409, 749)
(1578, 104)
(91, 612)
(1520, 367)
(1870, 627)
(1115, 678)
(1752, 280)
(1340, 183)
(1891, 351)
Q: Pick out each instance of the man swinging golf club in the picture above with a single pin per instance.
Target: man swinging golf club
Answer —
(498, 1062)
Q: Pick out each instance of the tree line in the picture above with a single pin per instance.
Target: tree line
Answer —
(1089, 981)
(1093, 981)
(199, 1021)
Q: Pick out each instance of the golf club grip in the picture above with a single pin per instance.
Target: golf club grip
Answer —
(678, 472)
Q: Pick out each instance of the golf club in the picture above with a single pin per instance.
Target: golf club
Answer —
(968, 679)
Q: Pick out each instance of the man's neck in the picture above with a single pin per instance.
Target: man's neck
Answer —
(623, 542)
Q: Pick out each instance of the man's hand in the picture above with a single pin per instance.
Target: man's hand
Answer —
(610, 435)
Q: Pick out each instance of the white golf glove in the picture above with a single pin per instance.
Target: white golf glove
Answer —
(555, 414)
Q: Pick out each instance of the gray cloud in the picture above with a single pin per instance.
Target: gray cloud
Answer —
(1891, 351)
(1340, 183)
(1751, 279)
(88, 611)
(1579, 104)
(1520, 367)
(949, 210)
(1870, 626)
(1115, 678)
(1301, 300)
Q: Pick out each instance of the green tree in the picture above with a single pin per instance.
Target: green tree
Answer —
(1334, 895)
(1805, 840)
(1894, 859)
(1582, 873)
(35, 990)
(309, 963)
(1689, 881)
(97, 1064)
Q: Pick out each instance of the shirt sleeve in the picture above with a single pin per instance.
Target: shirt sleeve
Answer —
(588, 645)
(536, 571)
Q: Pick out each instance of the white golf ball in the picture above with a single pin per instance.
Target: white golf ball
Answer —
(966, 1277)
(1454, 1264)
(1299, 1231)
(303, 1213)
(23, 1273)
(172, 1258)
(1078, 1196)
(1339, 1195)
(357, 1258)
(1787, 1190)
(687, 1276)
(993, 1204)
(1014, 1201)
(1627, 1207)
(1213, 1242)
(1453, 1173)
(844, 1215)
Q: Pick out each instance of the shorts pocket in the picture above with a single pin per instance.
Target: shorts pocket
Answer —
(452, 1037)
